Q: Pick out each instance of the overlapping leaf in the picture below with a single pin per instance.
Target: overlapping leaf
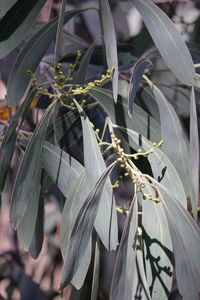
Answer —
(36, 47)
(82, 230)
(27, 183)
(16, 23)
(110, 42)
(167, 40)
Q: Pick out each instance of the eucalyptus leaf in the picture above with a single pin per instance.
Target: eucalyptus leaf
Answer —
(36, 47)
(82, 229)
(107, 230)
(28, 178)
(167, 40)
(16, 23)
(121, 287)
(194, 153)
(110, 42)
(138, 70)
(8, 144)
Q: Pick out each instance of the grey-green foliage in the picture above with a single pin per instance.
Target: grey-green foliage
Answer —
(100, 135)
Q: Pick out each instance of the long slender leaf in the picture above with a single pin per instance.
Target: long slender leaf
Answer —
(16, 23)
(121, 287)
(96, 270)
(63, 169)
(110, 42)
(167, 40)
(59, 33)
(172, 134)
(8, 144)
(138, 70)
(194, 153)
(27, 182)
(5, 6)
(35, 48)
(107, 231)
(184, 233)
(82, 229)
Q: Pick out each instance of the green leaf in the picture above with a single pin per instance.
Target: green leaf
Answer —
(168, 41)
(73, 204)
(35, 48)
(28, 178)
(194, 153)
(82, 70)
(158, 248)
(162, 168)
(184, 233)
(63, 169)
(138, 70)
(16, 23)
(38, 234)
(96, 271)
(125, 262)
(174, 145)
(82, 230)
(6, 5)
(59, 33)
(141, 121)
(107, 231)
(8, 144)
(110, 42)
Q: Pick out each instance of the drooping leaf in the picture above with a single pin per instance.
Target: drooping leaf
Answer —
(141, 121)
(38, 235)
(27, 182)
(70, 212)
(184, 232)
(138, 70)
(121, 287)
(63, 169)
(8, 144)
(172, 133)
(19, 79)
(59, 33)
(158, 248)
(96, 270)
(5, 6)
(82, 229)
(16, 23)
(82, 70)
(194, 153)
(162, 168)
(107, 232)
(167, 40)
(110, 42)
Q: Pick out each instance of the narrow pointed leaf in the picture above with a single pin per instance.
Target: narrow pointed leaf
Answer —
(107, 209)
(96, 270)
(174, 144)
(82, 229)
(16, 23)
(110, 43)
(6, 5)
(121, 287)
(63, 169)
(8, 145)
(36, 47)
(29, 174)
(138, 70)
(184, 233)
(167, 40)
(194, 153)
(59, 33)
